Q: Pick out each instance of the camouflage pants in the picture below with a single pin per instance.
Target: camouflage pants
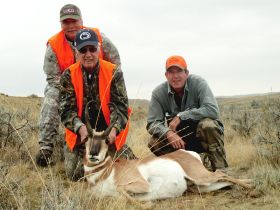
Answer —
(49, 118)
(205, 136)
(74, 160)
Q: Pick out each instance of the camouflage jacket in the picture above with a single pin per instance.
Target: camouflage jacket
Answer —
(51, 68)
(68, 107)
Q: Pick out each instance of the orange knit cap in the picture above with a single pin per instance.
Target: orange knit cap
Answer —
(176, 60)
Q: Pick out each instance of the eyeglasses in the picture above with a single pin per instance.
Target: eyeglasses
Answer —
(84, 50)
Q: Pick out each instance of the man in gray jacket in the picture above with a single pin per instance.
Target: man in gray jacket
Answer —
(183, 114)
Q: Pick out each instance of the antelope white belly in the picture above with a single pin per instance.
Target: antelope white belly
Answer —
(166, 179)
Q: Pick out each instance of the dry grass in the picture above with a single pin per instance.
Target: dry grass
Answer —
(240, 152)
(25, 186)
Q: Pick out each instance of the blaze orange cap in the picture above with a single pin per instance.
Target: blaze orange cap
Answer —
(176, 60)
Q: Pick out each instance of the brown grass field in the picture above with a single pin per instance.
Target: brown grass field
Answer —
(252, 141)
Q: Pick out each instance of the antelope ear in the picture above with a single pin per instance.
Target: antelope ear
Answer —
(108, 130)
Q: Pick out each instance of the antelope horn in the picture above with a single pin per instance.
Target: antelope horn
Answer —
(112, 107)
(89, 128)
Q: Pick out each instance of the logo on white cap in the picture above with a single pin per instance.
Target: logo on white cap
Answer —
(85, 35)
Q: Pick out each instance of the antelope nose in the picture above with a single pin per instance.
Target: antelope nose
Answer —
(95, 150)
(94, 153)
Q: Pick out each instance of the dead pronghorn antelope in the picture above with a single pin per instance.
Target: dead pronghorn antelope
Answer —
(149, 178)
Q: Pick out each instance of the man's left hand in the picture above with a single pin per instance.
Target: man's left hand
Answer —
(112, 135)
(174, 123)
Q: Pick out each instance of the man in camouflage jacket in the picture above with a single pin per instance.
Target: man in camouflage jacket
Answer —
(71, 23)
(91, 68)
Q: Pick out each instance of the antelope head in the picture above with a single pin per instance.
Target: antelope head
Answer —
(97, 143)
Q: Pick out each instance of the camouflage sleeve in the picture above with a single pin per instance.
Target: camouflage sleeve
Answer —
(51, 68)
(119, 98)
(110, 52)
(68, 108)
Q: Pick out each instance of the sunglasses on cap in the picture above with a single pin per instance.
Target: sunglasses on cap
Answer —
(91, 49)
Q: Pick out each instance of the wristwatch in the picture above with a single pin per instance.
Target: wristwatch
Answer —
(179, 115)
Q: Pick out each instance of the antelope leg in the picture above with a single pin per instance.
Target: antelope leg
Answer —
(143, 205)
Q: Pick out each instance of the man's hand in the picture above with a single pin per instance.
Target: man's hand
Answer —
(83, 134)
(112, 135)
(174, 123)
(175, 140)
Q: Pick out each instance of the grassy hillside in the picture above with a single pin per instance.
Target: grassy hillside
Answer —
(252, 141)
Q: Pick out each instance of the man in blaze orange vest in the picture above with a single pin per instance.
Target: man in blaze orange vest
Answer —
(99, 81)
(60, 54)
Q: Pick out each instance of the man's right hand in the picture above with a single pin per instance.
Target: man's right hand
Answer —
(83, 133)
(174, 123)
(175, 140)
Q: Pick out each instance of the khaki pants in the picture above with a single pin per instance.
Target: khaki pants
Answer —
(205, 136)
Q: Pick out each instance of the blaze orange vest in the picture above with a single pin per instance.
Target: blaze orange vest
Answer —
(63, 50)
(105, 78)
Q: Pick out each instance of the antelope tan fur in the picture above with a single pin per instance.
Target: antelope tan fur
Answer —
(150, 178)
